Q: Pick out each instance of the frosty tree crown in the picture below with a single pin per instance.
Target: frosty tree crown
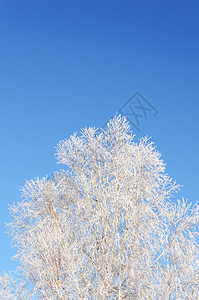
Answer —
(106, 227)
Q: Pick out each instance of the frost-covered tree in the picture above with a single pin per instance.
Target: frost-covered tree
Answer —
(105, 228)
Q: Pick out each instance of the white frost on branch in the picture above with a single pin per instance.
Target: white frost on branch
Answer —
(106, 229)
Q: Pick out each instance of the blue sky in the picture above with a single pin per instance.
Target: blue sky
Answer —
(69, 64)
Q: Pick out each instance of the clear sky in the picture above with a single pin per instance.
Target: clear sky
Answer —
(69, 64)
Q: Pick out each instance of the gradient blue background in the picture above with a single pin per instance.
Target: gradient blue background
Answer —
(69, 64)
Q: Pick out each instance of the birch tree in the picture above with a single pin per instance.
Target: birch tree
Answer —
(106, 227)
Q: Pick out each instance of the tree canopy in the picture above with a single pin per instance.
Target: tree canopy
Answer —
(106, 227)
